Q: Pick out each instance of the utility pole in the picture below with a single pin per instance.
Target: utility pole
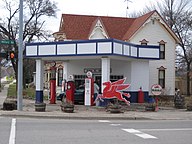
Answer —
(20, 60)
(0, 70)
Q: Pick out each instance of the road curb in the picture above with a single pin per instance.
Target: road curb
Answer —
(76, 117)
(70, 116)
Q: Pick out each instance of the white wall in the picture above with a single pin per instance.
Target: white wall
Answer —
(136, 72)
(139, 75)
(120, 67)
(154, 33)
(76, 67)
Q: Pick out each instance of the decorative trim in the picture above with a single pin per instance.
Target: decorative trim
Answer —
(162, 42)
(161, 68)
(98, 25)
(144, 41)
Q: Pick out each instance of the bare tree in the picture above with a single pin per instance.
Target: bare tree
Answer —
(35, 13)
(178, 15)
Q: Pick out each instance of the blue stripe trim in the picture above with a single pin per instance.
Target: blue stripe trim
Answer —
(39, 97)
(76, 49)
(103, 54)
(96, 47)
(138, 52)
(134, 96)
(56, 50)
(123, 49)
(37, 49)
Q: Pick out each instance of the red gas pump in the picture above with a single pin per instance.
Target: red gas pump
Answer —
(53, 85)
(70, 90)
(140, 96)
(89, 90)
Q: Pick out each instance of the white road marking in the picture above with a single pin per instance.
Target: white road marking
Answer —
(12, 133)
(104, 121)
(115, 124)
(146, 136)
(174, 129)
(140, 134)
(131, 131)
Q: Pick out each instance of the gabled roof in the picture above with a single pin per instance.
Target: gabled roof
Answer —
(138, 22)
(94, 25)
(79, 27)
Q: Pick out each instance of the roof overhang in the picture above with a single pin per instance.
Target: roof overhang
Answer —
(91, 49)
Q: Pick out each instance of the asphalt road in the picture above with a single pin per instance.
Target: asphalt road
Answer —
(58, 131)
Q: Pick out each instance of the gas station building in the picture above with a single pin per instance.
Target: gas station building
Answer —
(141, 49)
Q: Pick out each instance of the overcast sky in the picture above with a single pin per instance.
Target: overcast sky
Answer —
(117, 8)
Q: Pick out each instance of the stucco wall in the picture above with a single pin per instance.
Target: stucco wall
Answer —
(76, 67)
(140, 75)
(136, 72)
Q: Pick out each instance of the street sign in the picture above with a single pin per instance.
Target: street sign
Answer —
(6, 42)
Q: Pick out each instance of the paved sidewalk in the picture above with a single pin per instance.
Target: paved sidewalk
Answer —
(3, 95)
(83, 112)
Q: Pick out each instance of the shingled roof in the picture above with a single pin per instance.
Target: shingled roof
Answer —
(79, 27)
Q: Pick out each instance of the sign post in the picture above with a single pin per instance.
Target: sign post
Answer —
(20, 60)
(156, 90)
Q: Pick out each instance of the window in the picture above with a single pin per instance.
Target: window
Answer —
(60, 76)
(79, 80)
(115, 77)
(162, 49)
(162, 78)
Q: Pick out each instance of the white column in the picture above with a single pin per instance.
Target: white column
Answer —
(105, 62)
(65, 70)
(39, 80)
(56, 76)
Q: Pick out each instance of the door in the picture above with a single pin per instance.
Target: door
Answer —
(97, 79)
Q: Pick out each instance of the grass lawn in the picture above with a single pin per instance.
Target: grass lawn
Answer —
(28, 93)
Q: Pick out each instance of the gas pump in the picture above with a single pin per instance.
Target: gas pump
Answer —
(89, 90)
(70, 90)
(53, 85)
(140, 96)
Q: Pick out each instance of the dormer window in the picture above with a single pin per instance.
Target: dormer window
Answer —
(162, 49)
(144, 42)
